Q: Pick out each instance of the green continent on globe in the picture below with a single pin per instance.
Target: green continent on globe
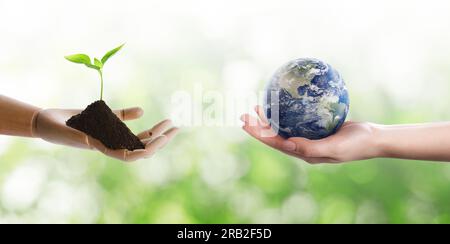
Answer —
(306, 98)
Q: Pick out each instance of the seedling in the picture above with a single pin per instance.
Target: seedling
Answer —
(97, 65)
(98, 120)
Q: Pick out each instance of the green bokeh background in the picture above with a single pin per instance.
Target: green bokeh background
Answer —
(393, 56)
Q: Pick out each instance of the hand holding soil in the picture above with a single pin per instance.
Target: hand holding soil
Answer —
(50, 125)
(99, 127)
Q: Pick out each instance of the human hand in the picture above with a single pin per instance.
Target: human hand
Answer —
(50, 125)
(353, 141)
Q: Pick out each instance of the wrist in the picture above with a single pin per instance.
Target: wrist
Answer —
(17, 118)
(34, 123)
(380, 143)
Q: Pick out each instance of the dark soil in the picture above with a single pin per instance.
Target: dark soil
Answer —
(98, 121)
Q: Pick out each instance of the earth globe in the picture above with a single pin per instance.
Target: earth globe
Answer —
(306, 98)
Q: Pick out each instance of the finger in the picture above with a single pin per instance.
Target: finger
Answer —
(286, 146)
(171, 133)
(262, 116)
(69, 112)
(319, 160)
(120, 154)
(249, 120)
(96, 144)
(129, 113)
(145, 141)
(150, 149)
(253, 123)
(310, 148)
(264, 129)
(157, 130)
(261, 134)
(126, 155)
(311, 160)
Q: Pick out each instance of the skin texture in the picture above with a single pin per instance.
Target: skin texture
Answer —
(358, 141)
(20, 119)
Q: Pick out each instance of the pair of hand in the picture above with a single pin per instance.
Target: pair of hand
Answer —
(353, 141)
(50, 125)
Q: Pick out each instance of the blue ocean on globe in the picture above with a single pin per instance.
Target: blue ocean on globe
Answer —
(306, 98)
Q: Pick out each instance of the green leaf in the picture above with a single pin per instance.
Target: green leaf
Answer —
(111, 53)
(98, 63)
(82, 59)
(79, 59)
(93, 66)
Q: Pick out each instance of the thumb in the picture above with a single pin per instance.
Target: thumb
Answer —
(129, 113)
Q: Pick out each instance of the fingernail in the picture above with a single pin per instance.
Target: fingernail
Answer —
(289, 146)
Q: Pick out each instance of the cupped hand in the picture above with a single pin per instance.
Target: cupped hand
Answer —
(50, 125)
(353, 141)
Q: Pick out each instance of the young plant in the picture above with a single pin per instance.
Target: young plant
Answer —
(97, 65)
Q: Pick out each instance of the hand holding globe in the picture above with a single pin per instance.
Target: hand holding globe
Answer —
(304, 113)
(306, 105)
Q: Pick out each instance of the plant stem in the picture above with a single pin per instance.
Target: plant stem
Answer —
(101, 85)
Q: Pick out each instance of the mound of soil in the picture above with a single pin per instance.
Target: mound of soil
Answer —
(98, 121)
